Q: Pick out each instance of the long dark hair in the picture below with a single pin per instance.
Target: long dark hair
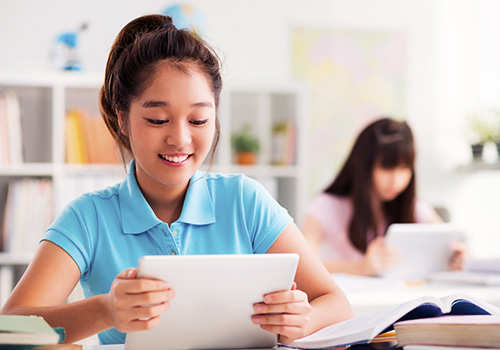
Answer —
(139, 48)
(388, 143)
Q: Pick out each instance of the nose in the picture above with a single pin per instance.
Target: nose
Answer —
(178, 135)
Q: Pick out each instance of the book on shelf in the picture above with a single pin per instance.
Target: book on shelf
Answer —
(481, 331)
(75, 144)
(283, 144)
(365, 328)
(19, 332)
(26, 197)
(11, 140)
(88, 140)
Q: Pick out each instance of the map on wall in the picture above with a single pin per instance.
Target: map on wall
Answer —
(353, 77)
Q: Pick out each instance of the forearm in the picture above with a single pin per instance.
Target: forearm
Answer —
(80, 319)
(353, 267)
(329, 309)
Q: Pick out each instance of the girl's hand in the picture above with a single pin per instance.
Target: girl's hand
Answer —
(135, 304)
(379, 257)
(285, 313)
(458, 256)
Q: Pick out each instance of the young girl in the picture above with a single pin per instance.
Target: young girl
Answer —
(375, 188)
(159, 101)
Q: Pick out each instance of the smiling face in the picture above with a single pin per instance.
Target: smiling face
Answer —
(171, 127)
(390, 183)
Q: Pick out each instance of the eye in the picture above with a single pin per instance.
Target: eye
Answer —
(199, 122)
(156, 121)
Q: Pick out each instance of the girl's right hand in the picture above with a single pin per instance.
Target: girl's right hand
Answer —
(135, 304)
(379, 257)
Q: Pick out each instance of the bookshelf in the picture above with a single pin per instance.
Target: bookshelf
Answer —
(262, 106)
(45, 99)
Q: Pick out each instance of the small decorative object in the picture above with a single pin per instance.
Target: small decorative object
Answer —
(185, 16)
(245, 145)
(65, 54)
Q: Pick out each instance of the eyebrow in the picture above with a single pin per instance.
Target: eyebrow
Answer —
(154, 104)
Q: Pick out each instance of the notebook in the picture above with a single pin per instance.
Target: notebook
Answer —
(423, 249)
(214, 300)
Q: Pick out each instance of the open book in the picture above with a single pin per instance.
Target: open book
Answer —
(364, 328)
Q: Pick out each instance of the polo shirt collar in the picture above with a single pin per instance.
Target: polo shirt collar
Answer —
(138, 217)
(198, 206)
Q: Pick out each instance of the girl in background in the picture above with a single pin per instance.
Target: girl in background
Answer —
(375, 187)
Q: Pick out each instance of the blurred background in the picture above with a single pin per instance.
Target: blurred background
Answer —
(433, 63)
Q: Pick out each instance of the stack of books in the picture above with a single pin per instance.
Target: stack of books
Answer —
(26, 332)
(449, 332)
(88, 140)
(457, 320)
(26, 197)
(11, 139)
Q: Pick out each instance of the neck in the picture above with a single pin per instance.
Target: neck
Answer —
(166, 201)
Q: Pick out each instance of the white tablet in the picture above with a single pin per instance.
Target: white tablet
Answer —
(423, 248)
(214, 297)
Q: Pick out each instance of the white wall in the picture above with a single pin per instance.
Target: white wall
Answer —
(468, 78)
(453, 65)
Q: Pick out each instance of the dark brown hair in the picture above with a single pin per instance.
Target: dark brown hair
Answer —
(388, 143)
(139, 48)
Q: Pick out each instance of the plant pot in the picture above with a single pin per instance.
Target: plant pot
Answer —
(246, 158)
(477, 151)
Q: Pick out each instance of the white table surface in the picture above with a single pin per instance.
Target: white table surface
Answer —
(369, 294)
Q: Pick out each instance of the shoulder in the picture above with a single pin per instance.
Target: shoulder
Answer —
(220, 178)
(231, 182)
(88, 202)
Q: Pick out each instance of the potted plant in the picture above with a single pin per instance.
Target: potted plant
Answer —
(245, 145)
(481, 130)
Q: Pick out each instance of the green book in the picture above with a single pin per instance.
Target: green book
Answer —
(26, 331)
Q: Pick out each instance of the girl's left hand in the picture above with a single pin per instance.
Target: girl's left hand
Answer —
(285, 313)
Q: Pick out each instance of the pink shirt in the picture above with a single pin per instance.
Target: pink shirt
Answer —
(334, 215)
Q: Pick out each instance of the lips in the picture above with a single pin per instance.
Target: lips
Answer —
(175, 159)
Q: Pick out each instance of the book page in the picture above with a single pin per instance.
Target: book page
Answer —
(464, 304)
(364, 328)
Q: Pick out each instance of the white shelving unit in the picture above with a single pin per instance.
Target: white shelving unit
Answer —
(45, 98)
(260, 107)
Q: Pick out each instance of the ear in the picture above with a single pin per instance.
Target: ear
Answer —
(122, 122)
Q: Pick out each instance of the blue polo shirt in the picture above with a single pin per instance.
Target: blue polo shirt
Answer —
(107, 231)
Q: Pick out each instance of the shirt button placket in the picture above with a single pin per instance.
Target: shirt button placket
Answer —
(176, 238)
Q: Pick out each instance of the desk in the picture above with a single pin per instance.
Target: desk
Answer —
(369, 294)
(379, 346)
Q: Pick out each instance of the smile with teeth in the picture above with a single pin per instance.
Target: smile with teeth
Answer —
(175, 159)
